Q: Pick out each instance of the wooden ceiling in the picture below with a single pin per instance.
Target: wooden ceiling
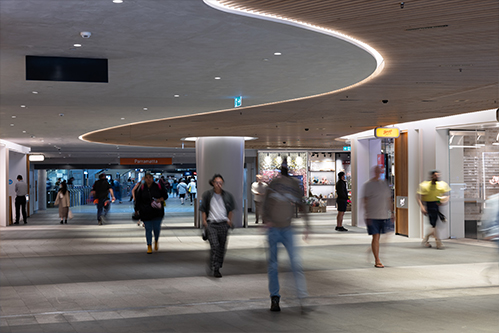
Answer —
(441, 58)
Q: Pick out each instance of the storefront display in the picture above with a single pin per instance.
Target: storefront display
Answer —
(474, 174)
(316, 171)
(269, 164)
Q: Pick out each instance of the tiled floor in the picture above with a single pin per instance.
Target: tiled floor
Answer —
(82, 277)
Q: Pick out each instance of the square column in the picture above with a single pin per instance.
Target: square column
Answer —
(225, 156)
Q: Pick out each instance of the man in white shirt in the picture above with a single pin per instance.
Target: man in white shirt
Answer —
(258, 189)
(378, 207)
(21, 189)
(217, 206)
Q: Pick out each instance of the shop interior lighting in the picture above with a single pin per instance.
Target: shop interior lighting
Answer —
(35, 92)
(118, 1)
(277, 53)
(176, 96)
(23, 106)
(497, 137)
(217, 77)
(77, 45)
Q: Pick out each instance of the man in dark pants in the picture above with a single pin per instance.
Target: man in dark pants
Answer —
(21, 191)
(217, 206)
(341, 201)
(100, 191)
(431, 195)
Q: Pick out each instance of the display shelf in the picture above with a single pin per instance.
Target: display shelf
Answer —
(322, 184)
(321, 170)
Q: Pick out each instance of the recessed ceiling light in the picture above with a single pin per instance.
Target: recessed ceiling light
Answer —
(24, 131)
(14, 117)
(11, 124)
(277, 53)
(77, 45)
(23, 106)
(118, 1)
(176, 95)
(35, 92)
(265, 59)
(217, 77)
(122, 118)
(145, 109)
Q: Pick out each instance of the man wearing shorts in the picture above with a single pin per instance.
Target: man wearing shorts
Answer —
(378, 208)
(431, 195)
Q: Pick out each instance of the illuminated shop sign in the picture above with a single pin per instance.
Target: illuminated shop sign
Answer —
(386, 132)
(146, 161)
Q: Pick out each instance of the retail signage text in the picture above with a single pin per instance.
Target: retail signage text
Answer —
(146, 161)
(386, 132)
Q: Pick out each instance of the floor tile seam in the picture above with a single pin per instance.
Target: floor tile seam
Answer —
(166, 280)
(288, 302)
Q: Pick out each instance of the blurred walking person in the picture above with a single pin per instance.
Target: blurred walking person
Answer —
(217, 206)
(282, 196)
(182, 190)
(117, 189)
(258, 189)
(100, 191)
(63, 201)
(378, 210)
(192, 188)
(150, 198)
(431, 195)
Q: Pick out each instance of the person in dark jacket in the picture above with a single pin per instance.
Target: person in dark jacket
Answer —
(217, 206)
(150, 198)
(100, 192)
(341, 201)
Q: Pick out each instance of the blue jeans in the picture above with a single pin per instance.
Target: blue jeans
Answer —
(102, 209)
(150, 226)
(285, 237)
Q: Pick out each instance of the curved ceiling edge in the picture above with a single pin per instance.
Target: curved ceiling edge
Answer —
(304, 25)
(380, 64)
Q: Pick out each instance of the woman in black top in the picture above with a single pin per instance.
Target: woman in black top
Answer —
(150, 198)
(341, 201)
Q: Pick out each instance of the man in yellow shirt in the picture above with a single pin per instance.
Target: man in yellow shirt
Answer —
(431, 195)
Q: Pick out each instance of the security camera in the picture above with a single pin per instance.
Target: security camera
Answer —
(85, 34)
(385, 101)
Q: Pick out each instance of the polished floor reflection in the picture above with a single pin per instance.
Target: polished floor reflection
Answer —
(82, 277)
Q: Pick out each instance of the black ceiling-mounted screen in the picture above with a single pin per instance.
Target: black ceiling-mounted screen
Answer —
(66, 69)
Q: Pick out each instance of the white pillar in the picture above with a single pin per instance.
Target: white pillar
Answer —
(42, 189)
(225, 156)
(360, 174)
(4, 185)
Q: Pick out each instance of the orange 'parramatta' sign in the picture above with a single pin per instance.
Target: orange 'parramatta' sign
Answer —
(386, 132)
(146, 161)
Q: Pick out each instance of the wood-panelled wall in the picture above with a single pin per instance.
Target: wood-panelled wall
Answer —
(401, 183)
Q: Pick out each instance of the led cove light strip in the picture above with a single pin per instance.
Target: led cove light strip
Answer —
(280, 19)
